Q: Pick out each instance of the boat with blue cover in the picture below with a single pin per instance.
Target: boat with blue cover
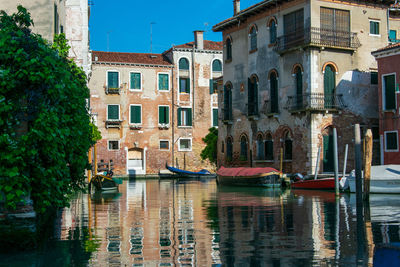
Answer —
(188, 174)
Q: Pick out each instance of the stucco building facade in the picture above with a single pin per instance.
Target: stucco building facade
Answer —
(293, 71)
(154, 109)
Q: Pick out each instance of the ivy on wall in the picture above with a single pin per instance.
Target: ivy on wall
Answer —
(45, 129)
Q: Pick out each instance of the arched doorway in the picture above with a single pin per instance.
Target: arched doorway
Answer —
(136, 163)
(327, 145)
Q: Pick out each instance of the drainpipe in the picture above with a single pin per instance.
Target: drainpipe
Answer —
(173, 118)
(193, 86)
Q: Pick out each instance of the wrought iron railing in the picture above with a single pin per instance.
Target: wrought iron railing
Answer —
(313, 36)
(110, 90)
(113, 123)
(315, 101)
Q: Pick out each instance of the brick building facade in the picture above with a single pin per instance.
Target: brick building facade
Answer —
(389, 102)
(154, 109)
(293, 71)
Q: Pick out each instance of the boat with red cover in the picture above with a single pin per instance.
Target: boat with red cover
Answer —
(321, 184)
(245, 176)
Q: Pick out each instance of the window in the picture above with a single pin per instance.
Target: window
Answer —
(135, 82)
(184, 117)
(228, 49)
(391, 141)
(253, 39)
(135, 114)
(287, 143)
(299, 87)
(164, 145)
(213, 86)
(184, 85)
(163, 114)
(217, 65)
(113, 145)
(374, 77)
(329, 87)
(163, 82)
(228, 102)
(393, 36)
(243, 148)
(252, 104)
(183, 64)
(215, 117)
(269, 148)
(229, 149)
(185, 144)
(273, 83)
(389, 95)
(374, 27)
(272, 32)
(113, 112)
(335, 27)
(293, 27)
(260, 147)
(112, 79)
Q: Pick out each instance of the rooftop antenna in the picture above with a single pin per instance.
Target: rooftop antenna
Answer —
(151, 36)
(108, 41)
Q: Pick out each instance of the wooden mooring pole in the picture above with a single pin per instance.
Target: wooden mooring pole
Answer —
(335, 161)
(281, 167)
(367, 162)
(345, 160)
(357, 154)
(89, 172)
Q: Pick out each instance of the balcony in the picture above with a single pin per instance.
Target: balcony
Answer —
(112, 91)
(113, 124)
(315, 102)
(317, 37)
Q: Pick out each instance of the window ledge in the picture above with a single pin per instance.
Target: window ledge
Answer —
(253, 51)
(228, 122)
(135, 90)
(163, 126)
(185, 127)
(389, 111)
(263, 161)
(135, 126)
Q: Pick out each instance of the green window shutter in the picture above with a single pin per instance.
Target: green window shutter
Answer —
(179, 117)
(189, 117)
(215, 117)
(166, 114)
(392, 35)
(163, 82)
(112, 79)
(211, 86)
(136, 114)
(390, 94)
(113, 112)
(188, 85)
(135, 81)
(161, 114)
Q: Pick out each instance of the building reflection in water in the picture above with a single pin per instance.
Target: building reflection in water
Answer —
(193, 223)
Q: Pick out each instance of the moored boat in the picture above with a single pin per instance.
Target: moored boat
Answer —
(385, 179)
(246, 176)
(319, 184)
(188, 174)
(104, 183)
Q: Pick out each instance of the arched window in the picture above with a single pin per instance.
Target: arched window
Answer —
(260, 147)
(269, 147)
(229, 149)
(228, 49)
(329, 87)
(217, 65)
(228, 102)
(243, 148)
(183, 64)
(299, 87)
(287, 146)
(273, 80)
(253, 38)
(272, 32)
(252, 105)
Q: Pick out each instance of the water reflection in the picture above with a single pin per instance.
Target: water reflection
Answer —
(197, 223)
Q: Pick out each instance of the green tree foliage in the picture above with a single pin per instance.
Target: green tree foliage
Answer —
(45, 130)
(210, 151)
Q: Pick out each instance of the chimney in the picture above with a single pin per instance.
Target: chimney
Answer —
(198, 39)
(236, 7)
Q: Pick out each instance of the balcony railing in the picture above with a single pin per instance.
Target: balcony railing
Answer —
(110, 90)
(313, 36)
(315, 102)
(113, 124)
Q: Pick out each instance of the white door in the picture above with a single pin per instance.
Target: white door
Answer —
(135, 161)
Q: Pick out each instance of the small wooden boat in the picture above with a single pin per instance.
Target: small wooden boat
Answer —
(104, 183)
(188, 174)
(246, 176)
(319, 184)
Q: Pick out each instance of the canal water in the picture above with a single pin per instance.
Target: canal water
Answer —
(198, 223)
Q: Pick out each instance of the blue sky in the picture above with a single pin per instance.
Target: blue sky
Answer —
(127, 23)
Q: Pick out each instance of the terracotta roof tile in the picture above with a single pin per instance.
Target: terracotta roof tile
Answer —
(208, 45)
(138, 58)
(392, 46)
